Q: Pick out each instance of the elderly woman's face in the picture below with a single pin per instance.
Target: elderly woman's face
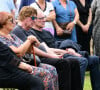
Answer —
(10, 24)
(6, 21)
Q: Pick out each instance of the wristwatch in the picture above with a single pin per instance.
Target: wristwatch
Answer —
(74, 22)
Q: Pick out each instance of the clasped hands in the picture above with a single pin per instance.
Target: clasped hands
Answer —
(33, 40)
(72, 52)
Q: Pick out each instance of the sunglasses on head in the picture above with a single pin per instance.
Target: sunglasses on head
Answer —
(33, 18)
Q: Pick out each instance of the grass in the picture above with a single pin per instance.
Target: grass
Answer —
(87, 84)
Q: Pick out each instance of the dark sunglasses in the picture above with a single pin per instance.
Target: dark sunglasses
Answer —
(33, 18)
(11, 20)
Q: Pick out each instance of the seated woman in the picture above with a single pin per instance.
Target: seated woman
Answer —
(47, 73)
(14, 73)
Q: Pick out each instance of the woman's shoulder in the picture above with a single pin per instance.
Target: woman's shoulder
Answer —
(33, 4)
(49, 4)
(71, 1)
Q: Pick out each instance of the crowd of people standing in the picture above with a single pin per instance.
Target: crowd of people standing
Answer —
(55, 33)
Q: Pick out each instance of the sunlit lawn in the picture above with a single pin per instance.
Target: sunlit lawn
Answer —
(87, 84)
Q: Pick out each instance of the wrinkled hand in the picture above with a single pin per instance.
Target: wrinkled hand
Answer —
(56, 56)
(70, 26)
(33, 40)
(26, 67)
(72, 52)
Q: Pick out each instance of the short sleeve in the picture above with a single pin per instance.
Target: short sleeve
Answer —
(4, 41)
(53, 3)
(73, 4)
(50, 6)
(34, 5)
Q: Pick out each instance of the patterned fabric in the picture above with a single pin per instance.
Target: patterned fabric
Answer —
(48, 75)
(15, 41)
(95, 7)
(46, 72)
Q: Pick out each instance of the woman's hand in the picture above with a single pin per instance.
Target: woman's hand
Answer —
(59, 31)
(85, 28)
(25, 67)
(70, 26)
(33, 40)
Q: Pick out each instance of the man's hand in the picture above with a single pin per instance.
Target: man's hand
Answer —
(72, 52)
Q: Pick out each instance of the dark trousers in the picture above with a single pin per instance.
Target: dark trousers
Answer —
(68, 73)
(20, 79)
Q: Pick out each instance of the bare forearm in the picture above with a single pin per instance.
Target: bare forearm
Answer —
(55, 24)
(79, 23)
(22, 49)
(57, 27)
(76, 15)
(41, 53)
(59, 51)
(89, 17)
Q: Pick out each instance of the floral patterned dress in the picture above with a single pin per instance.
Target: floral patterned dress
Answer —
(46, 72)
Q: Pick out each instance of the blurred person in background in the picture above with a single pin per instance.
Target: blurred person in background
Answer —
(17, 5)
(83, 24)
(25, 3)
(95, 6)
(7, 6)
(66, 18)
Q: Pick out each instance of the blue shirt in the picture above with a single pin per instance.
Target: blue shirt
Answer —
(7, 5)
(62, 14)
(65, 15)
(25, 3)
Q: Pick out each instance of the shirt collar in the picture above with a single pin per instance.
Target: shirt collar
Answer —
(60, 3)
